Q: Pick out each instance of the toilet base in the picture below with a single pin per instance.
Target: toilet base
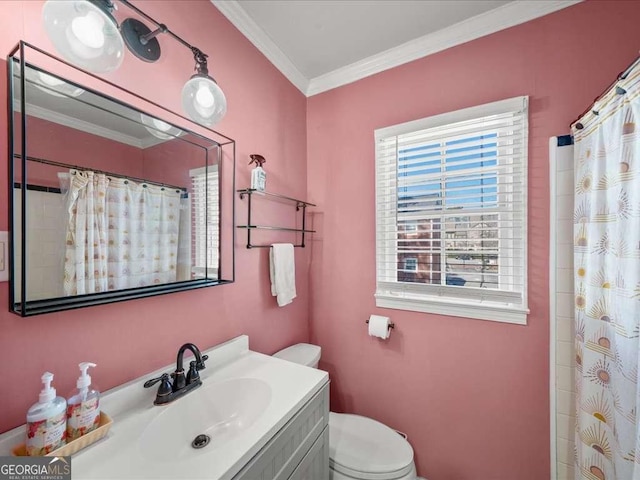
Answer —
(412, 475)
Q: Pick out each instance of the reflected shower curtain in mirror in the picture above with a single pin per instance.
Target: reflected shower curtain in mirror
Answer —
(121, 234)
(85, 262)
(607, 286)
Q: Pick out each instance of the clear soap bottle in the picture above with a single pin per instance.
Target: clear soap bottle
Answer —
(83, 410)
(46, 421)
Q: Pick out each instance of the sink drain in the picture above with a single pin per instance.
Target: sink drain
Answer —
(201, 441)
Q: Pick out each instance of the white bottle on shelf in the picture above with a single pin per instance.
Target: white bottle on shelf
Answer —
(258, 175)
(46, 421)
(83, 413)
(258, 179)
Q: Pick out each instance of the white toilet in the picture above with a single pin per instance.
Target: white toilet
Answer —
(359, 447)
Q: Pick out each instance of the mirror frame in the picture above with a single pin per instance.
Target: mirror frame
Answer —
(226, 150)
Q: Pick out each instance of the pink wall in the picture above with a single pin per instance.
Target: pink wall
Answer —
(266, 115)
(170, 162)
(52, 141)
(472, 395)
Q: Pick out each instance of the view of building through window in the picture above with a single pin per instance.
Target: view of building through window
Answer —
(448, 228)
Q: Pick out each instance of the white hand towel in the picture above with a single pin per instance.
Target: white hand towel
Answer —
(282, 270)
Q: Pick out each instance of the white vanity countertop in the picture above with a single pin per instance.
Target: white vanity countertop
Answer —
(137, 447)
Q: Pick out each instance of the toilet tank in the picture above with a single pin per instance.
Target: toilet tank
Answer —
(301, 353)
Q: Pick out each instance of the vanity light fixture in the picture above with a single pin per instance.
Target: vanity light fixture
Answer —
(86, 34)
(202, 98)
(158, 128)
(53, 85)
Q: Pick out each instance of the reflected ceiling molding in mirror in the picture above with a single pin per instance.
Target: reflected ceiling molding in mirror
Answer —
(109, 202)
(86, 33)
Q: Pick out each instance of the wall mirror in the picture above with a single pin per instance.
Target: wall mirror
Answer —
(109, 202)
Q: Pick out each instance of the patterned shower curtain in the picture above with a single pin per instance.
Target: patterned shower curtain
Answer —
(85, 262)
(120, 234)
(607, 285)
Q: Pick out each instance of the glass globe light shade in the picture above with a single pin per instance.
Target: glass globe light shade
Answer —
(52, 85)
(204, 100)
(158, 128)
(84, 34)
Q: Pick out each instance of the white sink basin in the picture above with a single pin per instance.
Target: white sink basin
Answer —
(245, 399)
(221, 410)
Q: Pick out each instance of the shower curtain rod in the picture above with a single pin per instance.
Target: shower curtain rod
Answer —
(117, 175)
(621, 76)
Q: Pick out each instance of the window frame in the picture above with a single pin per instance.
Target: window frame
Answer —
(496, 305)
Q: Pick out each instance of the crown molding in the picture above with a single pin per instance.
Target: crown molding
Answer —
(256, 35)
(503, 17)
(67, 121)
(509, 15)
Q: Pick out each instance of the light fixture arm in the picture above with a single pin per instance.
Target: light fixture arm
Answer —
(166, 30)
(201, 61)
(144, 39)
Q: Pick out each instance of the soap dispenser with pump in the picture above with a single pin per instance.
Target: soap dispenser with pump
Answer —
(83, 410)
(46, 421)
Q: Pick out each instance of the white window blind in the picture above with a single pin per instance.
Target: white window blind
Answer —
(206, 218)
(451, 207)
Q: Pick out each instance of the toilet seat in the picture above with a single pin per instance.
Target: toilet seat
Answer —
(362, 448)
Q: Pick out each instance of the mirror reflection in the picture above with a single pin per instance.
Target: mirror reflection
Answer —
(113, 199)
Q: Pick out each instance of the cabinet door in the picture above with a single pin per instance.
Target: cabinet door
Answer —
(315, 464)
(286, 450)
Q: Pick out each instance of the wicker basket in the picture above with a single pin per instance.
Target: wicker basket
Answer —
(75, 445)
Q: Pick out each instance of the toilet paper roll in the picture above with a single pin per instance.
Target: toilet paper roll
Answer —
(379, 326)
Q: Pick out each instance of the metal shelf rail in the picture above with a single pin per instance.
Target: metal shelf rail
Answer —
(300, 205)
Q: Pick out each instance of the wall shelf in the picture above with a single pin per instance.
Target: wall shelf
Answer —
(299, 204)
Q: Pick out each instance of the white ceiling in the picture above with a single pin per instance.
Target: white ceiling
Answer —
(319, 37)
(322, 44)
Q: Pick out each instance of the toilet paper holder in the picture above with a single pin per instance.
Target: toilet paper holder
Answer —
(391, 324)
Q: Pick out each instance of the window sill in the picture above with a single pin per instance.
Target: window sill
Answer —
(477, 310)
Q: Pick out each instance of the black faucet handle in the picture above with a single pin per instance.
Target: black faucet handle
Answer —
(201, 365)
(153, 381)
(165, 387)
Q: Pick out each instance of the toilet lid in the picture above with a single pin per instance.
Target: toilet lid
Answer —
(301, 353)
(364, 448)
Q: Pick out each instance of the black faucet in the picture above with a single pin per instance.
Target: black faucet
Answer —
(169, 391)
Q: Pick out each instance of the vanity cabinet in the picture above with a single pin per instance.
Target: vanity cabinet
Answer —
(300, 450)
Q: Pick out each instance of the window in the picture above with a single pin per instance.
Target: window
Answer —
(411, 264)
(451, 209)
(206, 219)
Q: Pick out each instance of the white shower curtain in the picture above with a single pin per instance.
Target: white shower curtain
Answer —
(85, 263)
(607, 285)
(120, 234)
(144, 225)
